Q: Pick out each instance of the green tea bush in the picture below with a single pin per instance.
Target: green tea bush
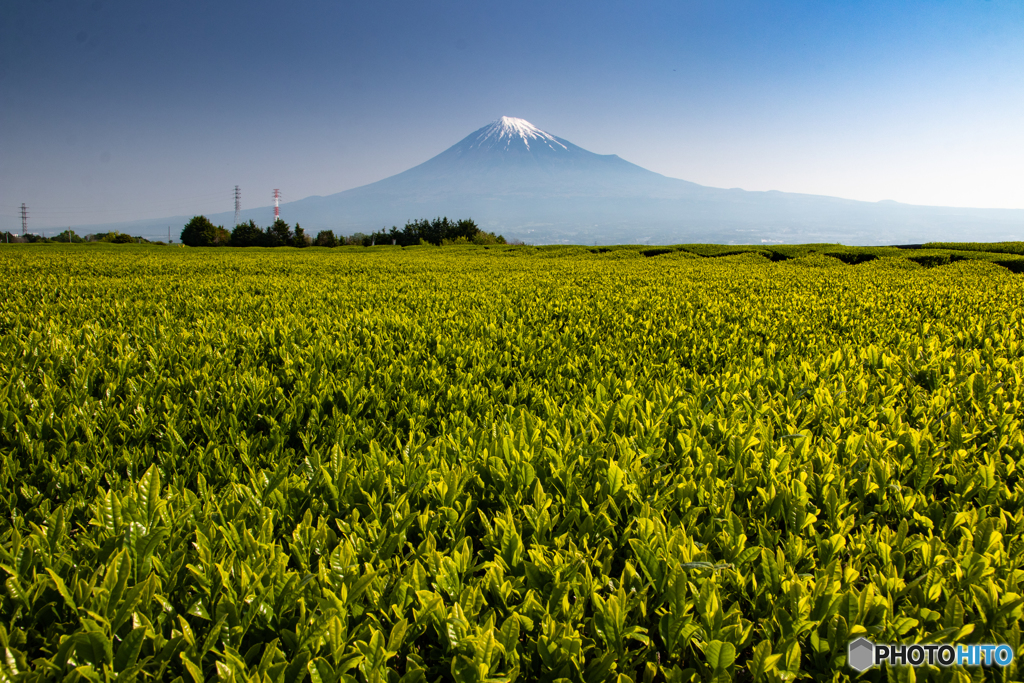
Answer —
(502, 464)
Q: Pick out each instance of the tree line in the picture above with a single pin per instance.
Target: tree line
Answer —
(200, 232)
(71, 236)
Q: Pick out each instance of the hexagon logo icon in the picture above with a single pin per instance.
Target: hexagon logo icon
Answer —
(860, 654)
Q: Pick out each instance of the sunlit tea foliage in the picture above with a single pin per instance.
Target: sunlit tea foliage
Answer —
(503, 464)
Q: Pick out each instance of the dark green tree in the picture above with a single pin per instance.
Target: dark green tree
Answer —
(325, 238)
(199, 232)
(67, 236)
(247, 235)
(299, 239)
(279, 234)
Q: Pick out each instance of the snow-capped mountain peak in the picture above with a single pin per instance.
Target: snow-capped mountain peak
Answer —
(507, 131)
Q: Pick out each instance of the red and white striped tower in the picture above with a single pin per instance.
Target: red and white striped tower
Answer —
(277, 204)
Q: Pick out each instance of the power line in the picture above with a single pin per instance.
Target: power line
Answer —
(183, 204)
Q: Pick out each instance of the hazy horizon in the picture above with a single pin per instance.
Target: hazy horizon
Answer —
(114, 111)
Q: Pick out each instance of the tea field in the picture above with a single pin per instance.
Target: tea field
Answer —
(508, 463)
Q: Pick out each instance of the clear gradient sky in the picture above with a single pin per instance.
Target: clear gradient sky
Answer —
(117, 110)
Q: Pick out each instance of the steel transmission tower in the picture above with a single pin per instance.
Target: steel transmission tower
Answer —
(24, 220)
(238, 202)
(277, 205)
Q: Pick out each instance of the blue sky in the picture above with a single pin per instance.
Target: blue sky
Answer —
(116, 110)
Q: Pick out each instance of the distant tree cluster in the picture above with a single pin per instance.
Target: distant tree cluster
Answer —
(11, 238)
(200, 232)
(70, 236)
(116, 237)
(439, 231)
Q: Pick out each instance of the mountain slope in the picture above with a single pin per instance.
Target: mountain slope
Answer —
(499, 159)
(515, 179)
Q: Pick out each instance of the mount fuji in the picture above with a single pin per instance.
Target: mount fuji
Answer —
(518, 180)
